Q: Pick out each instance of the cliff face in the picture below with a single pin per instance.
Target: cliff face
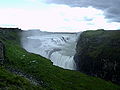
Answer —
(1, 52)
(98, 54)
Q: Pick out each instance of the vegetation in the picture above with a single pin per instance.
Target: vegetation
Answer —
(50, 77)
(98, 54)
(9, 81)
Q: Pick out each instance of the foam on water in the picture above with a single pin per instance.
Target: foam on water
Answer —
(59, 48)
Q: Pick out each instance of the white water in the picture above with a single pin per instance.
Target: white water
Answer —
(59, 48)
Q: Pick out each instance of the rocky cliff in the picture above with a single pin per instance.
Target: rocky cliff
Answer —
(98, 54)
(1, 52)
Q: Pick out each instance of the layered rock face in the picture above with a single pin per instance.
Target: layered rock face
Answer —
(98, 54)
(1, 53)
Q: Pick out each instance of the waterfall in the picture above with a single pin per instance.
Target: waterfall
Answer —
(59, 48)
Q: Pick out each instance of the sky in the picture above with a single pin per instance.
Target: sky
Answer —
(60, 15)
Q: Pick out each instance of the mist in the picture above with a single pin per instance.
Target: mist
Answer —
(58, 47)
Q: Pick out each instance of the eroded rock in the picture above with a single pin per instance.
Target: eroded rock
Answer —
(1, 53)
(98, 54)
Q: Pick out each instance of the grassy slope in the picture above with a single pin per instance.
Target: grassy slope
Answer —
(9, 81)
(52, 77)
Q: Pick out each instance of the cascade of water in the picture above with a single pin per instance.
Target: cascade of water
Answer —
(59, 48)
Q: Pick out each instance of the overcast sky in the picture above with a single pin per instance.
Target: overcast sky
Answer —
(60, 15)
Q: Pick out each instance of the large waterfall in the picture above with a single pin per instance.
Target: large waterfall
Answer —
(59, 48)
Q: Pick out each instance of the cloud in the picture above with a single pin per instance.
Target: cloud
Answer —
(55, 17)
(110, 7)
(50, 18)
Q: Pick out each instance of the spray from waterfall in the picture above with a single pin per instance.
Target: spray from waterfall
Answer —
(58, 47)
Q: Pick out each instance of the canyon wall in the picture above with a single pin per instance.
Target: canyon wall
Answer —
(98, 54)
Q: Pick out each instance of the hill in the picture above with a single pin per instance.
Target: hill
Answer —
(23, 70)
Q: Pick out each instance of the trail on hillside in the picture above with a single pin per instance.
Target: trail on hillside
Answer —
(29, 77)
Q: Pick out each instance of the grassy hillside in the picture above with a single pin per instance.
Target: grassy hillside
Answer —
(48, 76)
(10, 81)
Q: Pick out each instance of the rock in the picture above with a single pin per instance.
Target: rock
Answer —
(1, 52)
(98, 54)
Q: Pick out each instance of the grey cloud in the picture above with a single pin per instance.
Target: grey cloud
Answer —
(113, 13)
(110, 7)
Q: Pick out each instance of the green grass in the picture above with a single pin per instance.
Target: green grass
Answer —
(52, 77)
(112, 34)
(94, 42)
(9, 81)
